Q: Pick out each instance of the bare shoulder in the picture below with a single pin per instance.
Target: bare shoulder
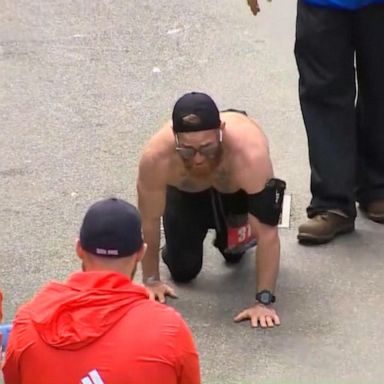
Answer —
(244, 129)
(255, 168)
(155, 157)
(251, 153)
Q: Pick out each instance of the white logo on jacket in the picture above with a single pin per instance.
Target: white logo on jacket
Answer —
(92, 377)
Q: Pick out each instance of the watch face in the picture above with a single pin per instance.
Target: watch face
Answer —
(265, 297)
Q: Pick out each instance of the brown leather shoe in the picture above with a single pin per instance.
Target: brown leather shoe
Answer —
(324, 227)
(374, 211)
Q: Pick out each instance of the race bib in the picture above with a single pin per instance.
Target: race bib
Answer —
(239, 236)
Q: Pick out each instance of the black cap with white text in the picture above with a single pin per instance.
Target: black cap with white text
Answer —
(111, 228)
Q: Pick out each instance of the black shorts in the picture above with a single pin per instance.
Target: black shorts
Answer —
(186, 220)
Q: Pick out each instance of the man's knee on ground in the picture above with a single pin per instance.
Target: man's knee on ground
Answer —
(182, 272)
(180, 275)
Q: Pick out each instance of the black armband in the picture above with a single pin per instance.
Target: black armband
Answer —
(267, 204)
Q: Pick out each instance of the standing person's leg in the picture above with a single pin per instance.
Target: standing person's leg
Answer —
(325, 58)
(185, 224)
(369, 34)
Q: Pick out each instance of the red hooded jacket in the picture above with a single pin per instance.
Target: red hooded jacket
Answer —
(99, 328)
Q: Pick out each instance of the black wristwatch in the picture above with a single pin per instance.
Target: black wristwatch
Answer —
(265, 297)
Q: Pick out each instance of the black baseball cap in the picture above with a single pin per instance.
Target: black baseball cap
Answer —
(199, 104)
(111, 228)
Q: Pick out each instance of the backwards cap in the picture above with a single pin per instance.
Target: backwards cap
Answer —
(200, 105)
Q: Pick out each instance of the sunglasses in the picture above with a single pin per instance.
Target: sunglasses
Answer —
(209, 150)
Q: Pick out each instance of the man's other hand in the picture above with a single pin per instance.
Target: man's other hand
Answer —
(259, 314)
(254, 5)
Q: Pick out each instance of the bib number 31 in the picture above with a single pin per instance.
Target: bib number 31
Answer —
(239, 235)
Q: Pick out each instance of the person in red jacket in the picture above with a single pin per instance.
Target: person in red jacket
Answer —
(99, 327)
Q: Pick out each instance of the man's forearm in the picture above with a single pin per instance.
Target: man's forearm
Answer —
(267, 263)
(150, 262)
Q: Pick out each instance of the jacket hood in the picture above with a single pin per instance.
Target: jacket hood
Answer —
(72, 315)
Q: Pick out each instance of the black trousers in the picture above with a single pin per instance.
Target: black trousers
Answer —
(186, 220)
(340, 57)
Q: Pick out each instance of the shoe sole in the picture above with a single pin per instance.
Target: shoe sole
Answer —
(376, 218)
(309, 239)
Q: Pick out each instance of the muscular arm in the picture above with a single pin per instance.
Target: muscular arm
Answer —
(151, 190)
(253, 179)
(267, 255)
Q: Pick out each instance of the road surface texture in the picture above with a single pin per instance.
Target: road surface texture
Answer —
(84, 84)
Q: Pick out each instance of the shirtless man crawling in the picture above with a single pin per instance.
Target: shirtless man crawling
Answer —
(206, 169)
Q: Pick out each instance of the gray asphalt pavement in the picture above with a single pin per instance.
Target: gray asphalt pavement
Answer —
(83, 84)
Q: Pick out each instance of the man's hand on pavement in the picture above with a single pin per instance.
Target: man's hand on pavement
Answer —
(259, 314)
(159, 290)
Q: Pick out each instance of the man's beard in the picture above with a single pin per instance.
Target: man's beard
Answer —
(206, 169)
